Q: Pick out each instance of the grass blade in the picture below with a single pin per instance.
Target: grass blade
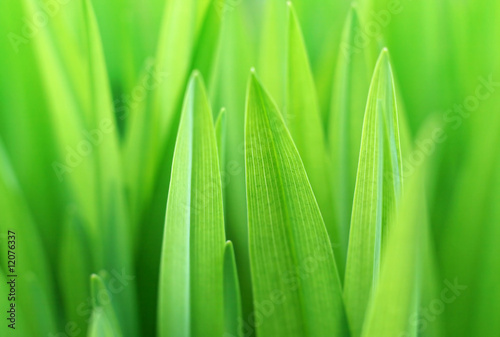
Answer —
(378, 186)
(286, 231)
(191, 276)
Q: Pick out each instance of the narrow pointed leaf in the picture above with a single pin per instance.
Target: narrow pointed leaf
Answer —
(293, 267)
(378, 187)
(191, 276)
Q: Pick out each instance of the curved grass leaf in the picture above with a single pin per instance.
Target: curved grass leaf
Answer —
(304, 122)
(232, 300)
(191, 276)
(378, 187)
(295, 280)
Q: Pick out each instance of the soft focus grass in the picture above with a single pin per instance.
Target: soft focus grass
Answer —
(349, 185)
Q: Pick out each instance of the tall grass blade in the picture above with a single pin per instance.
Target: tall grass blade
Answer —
(191, 276)
(378, 187)
(293, 267)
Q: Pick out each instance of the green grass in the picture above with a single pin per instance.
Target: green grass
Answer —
(235, 168)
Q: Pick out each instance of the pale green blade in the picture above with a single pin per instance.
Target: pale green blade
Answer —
(191, 276)
(378, 187)
(103, 322)
(304, 122)
(232, 297)
(348, 103)
(286, 231)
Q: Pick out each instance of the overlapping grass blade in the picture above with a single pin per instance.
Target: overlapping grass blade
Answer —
(378, 188)
(293, 267)
(191, 277)
(304, 122)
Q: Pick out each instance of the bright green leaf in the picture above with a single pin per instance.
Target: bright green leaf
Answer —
(191, 277)
(294, 273)
(378, 187)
